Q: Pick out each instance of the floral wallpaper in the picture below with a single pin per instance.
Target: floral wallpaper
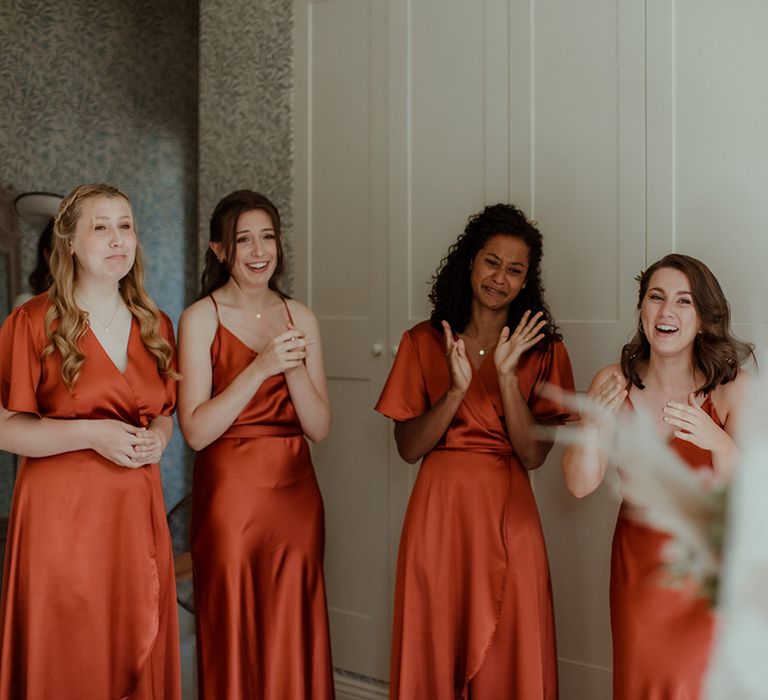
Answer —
(108, 92)
(245, 142)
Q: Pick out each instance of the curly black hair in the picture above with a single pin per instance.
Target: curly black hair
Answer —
(451, 293)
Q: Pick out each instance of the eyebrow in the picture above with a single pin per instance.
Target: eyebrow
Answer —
(515, 262)
(107, 218)
(261, 230)
(663, 291)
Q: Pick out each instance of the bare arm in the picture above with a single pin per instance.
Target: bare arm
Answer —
(306, 383)
(584, 464)
(30, 436)
(417, 436)
(203, 418)
(517, 416)
(520, 425)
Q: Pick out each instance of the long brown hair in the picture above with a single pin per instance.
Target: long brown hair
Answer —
(717, 353)
(73, 321)
(217, 272)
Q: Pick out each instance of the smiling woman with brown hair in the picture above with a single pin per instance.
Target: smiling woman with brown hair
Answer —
(253, 388)
(473, 606)
(683, 368)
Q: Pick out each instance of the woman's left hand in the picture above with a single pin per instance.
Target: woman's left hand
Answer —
(151, 448)
(694, 425)
(510, 348)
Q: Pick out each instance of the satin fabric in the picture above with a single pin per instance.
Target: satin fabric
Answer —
(662, 637)
(473, 603)
(257, 546)
(88, 608)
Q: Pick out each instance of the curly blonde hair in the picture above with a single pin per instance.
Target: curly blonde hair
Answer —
(73, 321)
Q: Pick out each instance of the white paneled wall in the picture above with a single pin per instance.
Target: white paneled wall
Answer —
(627, 129)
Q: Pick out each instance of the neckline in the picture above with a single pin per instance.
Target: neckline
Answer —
(127, 348)
(712, 413)
(219, 324)
(237, 338)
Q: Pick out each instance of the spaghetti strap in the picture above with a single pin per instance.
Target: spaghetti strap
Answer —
(288, 311)
(215, 306)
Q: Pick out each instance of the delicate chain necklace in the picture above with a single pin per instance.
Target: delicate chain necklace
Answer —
(480, 349)
(106, 325)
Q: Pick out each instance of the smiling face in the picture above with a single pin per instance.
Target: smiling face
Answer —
(103, 244)
(669, 317)
(256, 249)
(499, 271)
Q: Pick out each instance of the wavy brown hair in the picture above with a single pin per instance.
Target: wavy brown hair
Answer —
(717, 353)
(223, 229)
(65, 335)
(451, 293)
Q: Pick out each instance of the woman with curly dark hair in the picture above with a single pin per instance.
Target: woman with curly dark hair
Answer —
(682, 368)
(473, 608)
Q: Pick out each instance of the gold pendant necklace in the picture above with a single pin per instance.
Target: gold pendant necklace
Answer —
(480, 349)
(90, 313)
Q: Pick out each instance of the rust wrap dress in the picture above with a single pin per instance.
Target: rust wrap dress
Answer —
(473, 603)
(662, 636)
(89, 597)
(258, 539)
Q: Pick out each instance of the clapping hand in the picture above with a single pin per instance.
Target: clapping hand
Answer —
(511, 347)
(458, 363)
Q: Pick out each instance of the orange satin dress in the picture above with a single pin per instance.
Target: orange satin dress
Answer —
(473, 602)
(662, 637)
(258, 539)
(89, 597)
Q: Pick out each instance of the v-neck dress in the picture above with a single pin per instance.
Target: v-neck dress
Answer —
(89, 600)
(662, 637)
(473, 603)
(258, 539)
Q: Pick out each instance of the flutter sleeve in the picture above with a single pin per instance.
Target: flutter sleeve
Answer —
(171, 385)
(20, 364)
(556, 374)
(404, 395)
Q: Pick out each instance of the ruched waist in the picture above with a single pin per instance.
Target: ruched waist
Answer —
(249, 431)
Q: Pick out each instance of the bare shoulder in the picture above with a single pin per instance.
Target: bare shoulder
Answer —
(606, 372)
(303, 317)
(199, 320)
(732, 396)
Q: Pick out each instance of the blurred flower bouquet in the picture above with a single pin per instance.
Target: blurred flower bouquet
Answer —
(663, 493)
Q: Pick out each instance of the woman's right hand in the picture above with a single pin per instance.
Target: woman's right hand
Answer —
(117, 441)
(285, 351)
(458, 363)
(610, 394)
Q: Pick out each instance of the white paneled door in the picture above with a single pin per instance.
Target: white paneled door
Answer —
(341, 252)
(626, 128)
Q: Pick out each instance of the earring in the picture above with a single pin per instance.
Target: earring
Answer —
(640, 327)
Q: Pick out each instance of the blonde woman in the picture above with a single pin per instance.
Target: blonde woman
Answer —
(87, 385)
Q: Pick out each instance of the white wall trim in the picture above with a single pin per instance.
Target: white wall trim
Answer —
(353, 689)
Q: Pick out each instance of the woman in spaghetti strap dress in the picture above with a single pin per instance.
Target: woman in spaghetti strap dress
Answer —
(682, 367)
(473, 604)
(88, 387)
(253, 386)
